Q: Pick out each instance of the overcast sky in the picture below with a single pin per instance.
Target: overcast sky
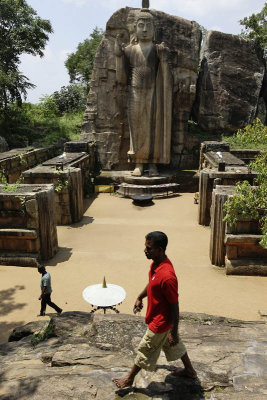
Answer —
(74, 20)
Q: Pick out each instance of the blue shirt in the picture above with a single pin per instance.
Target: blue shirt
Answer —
(46, 281)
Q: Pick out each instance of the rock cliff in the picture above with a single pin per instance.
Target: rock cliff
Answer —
(219, 84)
(77, 354)
(230, 82)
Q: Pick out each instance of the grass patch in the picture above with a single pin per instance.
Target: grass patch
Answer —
(43, 334)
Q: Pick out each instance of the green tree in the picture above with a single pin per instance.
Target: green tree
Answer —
(21, 31)
(256, 27)
(80, 63)
(71, 98)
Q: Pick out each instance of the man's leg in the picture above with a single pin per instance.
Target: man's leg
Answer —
(138, 171)
(128, 379)
(53, 305)
(147, 355)
(176, 352)
(188, 371)
(43, 304)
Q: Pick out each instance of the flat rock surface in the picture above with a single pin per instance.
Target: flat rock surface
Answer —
(75, 356)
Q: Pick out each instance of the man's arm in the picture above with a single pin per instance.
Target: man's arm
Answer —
(139, 301)
(43, 292)
(173, 335)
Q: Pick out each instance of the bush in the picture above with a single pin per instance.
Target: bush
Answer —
(38, 124)
(253, 136)
(251, 201)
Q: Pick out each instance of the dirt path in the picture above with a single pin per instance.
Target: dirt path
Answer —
(109, 242)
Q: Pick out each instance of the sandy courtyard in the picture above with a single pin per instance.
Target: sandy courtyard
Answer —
(109, 242)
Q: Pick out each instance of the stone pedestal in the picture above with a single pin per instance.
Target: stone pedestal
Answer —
(129, 185)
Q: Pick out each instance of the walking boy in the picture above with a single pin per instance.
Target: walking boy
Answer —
(46, 291)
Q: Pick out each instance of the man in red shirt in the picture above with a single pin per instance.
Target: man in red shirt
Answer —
(162, 316)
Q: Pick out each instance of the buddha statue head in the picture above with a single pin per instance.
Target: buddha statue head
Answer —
(145, 27)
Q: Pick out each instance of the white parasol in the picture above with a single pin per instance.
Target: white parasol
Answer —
(104, 295)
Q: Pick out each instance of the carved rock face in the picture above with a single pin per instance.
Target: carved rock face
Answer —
(105, 119)
(145, 30)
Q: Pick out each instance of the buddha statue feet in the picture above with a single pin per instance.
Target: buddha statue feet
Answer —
(153, 171)
(138, 171)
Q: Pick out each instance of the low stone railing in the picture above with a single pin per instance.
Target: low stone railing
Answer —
(14, 162)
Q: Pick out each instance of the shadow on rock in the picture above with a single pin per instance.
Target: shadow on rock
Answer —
(22, 389)
(172, 389)
(6, 328)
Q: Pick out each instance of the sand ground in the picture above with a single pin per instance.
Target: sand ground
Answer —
(109, 242)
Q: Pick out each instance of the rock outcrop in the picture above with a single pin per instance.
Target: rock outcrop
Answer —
(77, 354)
(229, 94)
(230, 82)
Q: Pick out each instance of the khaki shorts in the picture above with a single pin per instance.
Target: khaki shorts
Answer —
(150, 346)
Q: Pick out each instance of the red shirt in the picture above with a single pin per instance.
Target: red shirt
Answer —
(162, 291)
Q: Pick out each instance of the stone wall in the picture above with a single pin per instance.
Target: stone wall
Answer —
(236, 247)
(68, 190)
(15, 161)
(27, 224)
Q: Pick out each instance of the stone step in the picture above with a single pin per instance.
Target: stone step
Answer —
(242, 238)
(18, 233)
(128, 189)
(246, 266)
(19, 259)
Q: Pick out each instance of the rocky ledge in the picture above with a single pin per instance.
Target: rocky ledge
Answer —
(76, 354)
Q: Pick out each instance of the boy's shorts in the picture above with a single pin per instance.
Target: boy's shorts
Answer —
(150, 346)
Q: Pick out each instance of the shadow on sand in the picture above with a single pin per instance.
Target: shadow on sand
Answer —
(63, 254)
(84, 221)
(7, 305)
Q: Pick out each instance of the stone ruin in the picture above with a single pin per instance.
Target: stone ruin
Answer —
(217, 82)
(235, 246)
(28, 230)
(37, 194)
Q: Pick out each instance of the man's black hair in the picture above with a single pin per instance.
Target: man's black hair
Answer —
(159, 239)
(41, 267)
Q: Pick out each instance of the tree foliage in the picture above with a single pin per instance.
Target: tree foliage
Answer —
(38, 124)
(71, 98)
(80, 63)
(256, 27)
(21, 31)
